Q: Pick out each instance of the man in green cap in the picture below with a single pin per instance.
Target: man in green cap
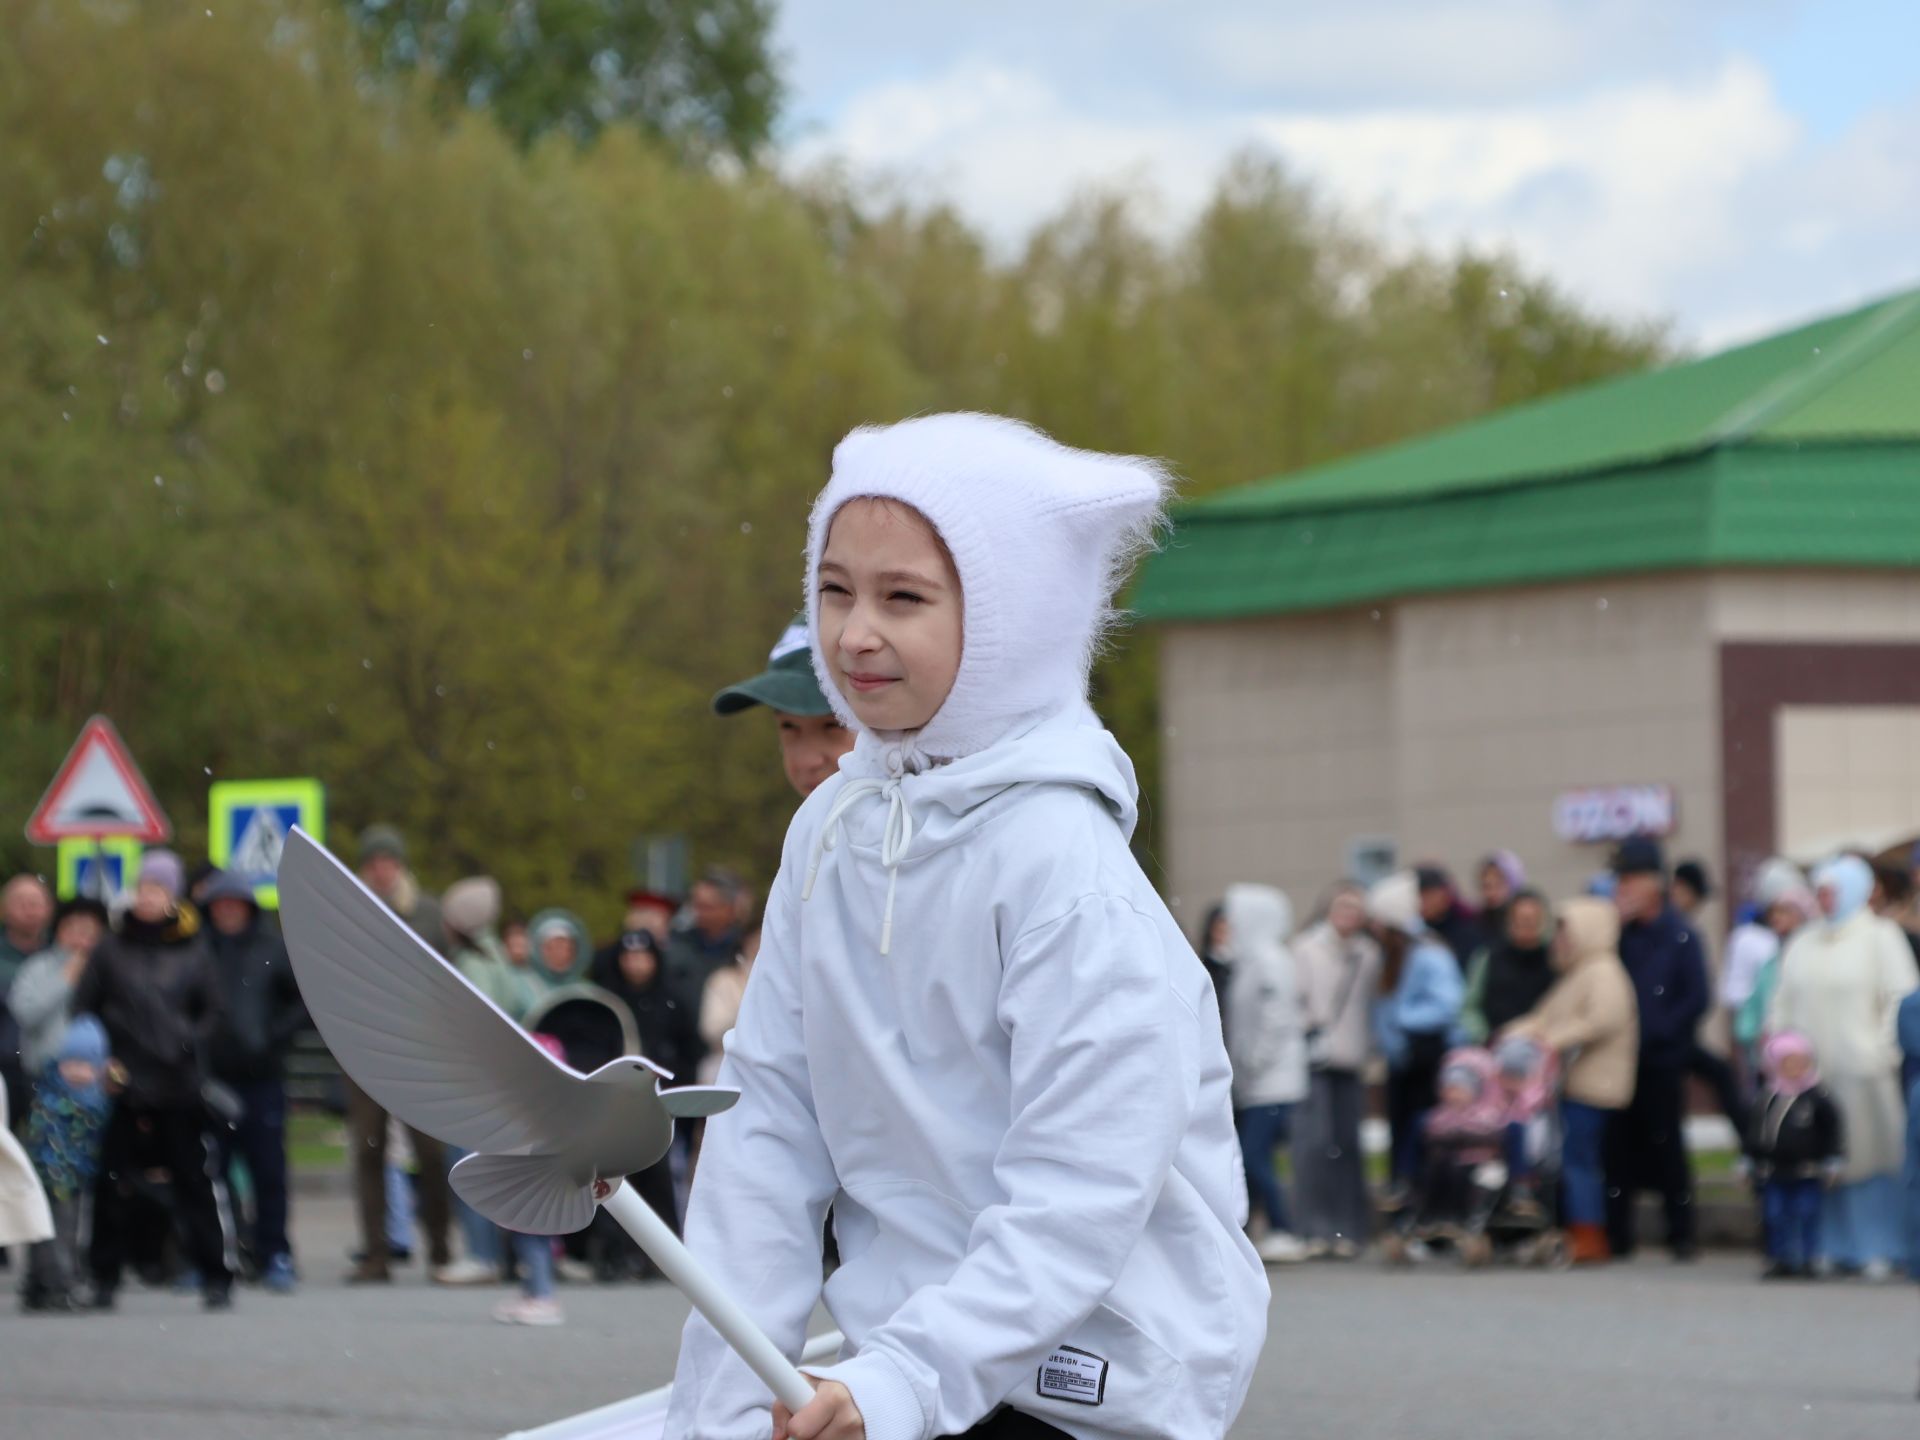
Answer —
(812, 739)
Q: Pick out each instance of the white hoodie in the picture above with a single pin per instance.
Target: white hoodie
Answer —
(1020, 1114)
(1266, 1035)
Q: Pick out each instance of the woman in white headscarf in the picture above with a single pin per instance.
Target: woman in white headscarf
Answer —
(1841, 983)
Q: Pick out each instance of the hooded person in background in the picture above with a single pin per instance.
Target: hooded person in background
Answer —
(560, 953)
(1508, 977)
(153, 987)
(64, 1133)
(1266, 1041)
(260, 1014)
(1418, 1014)
(383, 869)
(1339, 965)
(1591, 1020)
(1842, 981)
(1647, 1145)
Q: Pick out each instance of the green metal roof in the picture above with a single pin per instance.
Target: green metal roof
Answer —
(1800, 449)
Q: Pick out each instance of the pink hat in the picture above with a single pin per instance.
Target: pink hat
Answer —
(1780, 1048)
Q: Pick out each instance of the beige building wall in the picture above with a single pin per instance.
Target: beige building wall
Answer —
(1277, 750)
(1845, 775)
(1814, 605)
(1448, 723)
(1509, 698)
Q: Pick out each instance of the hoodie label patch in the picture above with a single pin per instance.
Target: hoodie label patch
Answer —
(1073, 1375)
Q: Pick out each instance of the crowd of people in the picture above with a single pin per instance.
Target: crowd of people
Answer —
(1537, 1059)
(144, 1057)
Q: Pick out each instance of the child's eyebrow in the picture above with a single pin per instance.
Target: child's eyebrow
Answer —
(909, 577)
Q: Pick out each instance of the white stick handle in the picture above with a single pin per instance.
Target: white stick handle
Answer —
(748, 1340)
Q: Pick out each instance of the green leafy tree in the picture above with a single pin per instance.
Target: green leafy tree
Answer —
(697, 73)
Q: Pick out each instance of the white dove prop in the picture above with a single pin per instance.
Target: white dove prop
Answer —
(548, 1143)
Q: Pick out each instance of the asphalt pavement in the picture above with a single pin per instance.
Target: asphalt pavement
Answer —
(1355, 1351)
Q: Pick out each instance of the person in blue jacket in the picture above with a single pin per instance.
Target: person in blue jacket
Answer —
(1646, 1142)
(1418, 1015)
(1909, 1028)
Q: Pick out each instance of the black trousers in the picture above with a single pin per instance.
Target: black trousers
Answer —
(1647, 1150)
(261, 1140)
(1010, 1425)
(138, 1142)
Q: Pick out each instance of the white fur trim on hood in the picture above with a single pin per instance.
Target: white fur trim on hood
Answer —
(1042, 535)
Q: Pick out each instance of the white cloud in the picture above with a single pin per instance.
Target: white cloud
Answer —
(1694, 194)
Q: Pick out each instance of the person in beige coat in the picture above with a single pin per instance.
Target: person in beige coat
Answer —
(1591, 1020)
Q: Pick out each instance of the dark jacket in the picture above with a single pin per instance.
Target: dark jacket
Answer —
(1463, 932)
(690, 959)
(260, 1002)
(1795, 1137)
(1669, 972)
(153, 988)
(669, 1030)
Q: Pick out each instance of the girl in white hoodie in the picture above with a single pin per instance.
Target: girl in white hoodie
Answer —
(973, 1029)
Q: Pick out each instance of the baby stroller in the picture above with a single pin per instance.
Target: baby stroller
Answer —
(1490, 1151)
(593, 1026)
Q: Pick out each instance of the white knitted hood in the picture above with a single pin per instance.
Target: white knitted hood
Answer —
(1041, 534)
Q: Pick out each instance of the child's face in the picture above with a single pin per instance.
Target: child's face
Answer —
(810, 749)
(1794, 1067)
(79, 1073)
(1512, 1085)
(1457, 1096)
(890, 614)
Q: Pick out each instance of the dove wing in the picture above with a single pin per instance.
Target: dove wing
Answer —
(409, 1028)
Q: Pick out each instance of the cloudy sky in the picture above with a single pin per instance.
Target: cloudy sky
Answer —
(1728, 164)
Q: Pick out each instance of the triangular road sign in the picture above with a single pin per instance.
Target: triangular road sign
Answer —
(99, 791)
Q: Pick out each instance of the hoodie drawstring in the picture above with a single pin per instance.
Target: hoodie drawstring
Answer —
(894, 840)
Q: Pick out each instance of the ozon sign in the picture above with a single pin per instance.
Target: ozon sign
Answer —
(1613, 812)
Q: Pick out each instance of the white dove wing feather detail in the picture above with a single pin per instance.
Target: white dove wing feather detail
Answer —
(409, 1028)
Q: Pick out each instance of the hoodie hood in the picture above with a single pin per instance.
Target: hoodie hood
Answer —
(1395, 903)
(545, 923)
(1592, 928)
(1258, 916)
(1035, 528)
(1851, 880)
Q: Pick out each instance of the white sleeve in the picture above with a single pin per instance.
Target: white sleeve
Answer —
(1748, 950)
(1106, 1074)
(759, 1199)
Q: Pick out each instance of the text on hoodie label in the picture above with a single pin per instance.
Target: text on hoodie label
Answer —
(1076, 1375)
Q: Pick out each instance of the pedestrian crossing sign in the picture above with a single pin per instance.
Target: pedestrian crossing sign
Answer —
(82, 868)
(249, 820)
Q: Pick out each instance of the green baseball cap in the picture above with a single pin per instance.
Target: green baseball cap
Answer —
(787, 684)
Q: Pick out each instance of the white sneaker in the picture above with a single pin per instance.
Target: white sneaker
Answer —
(527, 1311)
(568, 1273)
(1877, 1272)
(1280, 1248)
(466, 1271)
